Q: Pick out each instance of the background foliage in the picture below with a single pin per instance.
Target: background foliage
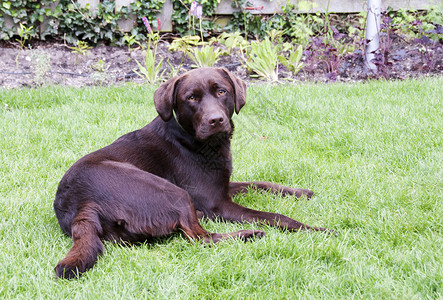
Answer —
(69, 20)
(66, 19)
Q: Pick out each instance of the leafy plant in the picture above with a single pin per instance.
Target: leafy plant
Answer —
(382, 59)
(413, 24)
(148, 9)
(100, 74)
(357, 27)
(230, 40)
(82, 48)
(205, 56)
(151, 72)
(131, 40)
(293, 62)
(72, 21)
(183, 44)
(276, 36)
(30, 14)
(100, 66)
(24, 33)
(302, 26)
(403, 21)
(427, 51)
(181, 17)
(41, 66)
(263, 59)
(252, 24)
(173, 71)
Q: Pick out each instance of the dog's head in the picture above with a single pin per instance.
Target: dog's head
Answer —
(203, 100)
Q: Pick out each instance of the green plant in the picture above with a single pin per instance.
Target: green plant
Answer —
(302, 26)
(276, 36)
(263, 59)
(433, 16)
(182, 18)
(131, 40)
(30, 14)
(24, 33)
(100, 78)
(100, 75)
(72, 21)
(252, 24)
(293, 62)
(99, 66)
(41, 66)
(183, 44)
(414, 24)
(82, 48)
(206, 56)
(151, 72)
(327, 29)
(150, 10)
(432, 22)
(356, 29)
(230, 40)
(173, 71)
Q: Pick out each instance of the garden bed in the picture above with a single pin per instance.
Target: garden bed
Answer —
(288, 47)
(56, 63)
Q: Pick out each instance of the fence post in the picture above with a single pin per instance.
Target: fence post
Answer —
(373, 32)
(46, 20)
(165, 16)
(125, 25)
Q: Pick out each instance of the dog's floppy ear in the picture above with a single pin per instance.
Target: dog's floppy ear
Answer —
(239, 89)
(164, 98)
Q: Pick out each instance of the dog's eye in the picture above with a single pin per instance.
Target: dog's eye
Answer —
(221, 92)
(191, 98)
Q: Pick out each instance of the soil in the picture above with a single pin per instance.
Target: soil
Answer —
(56, 63)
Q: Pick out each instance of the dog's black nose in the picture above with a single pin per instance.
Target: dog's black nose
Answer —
(216, 120)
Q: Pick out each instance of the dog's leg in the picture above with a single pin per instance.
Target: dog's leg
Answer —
(234, 212)
(193, 231)
(200, 214)
(242, 187)
(86, 246)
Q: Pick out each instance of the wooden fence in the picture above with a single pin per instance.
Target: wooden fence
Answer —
(225, 8)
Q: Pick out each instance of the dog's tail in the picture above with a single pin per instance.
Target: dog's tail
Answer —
(86, 248)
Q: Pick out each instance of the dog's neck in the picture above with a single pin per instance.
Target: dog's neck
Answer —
(212, 153)
(174, 117)
(188, 139)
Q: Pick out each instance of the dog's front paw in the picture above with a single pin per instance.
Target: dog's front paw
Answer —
(67, 272)
(299, 193)
(248, 235)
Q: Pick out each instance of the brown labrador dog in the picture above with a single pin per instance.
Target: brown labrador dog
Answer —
(162, 178)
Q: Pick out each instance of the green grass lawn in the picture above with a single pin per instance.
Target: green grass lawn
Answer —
(372, 152)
